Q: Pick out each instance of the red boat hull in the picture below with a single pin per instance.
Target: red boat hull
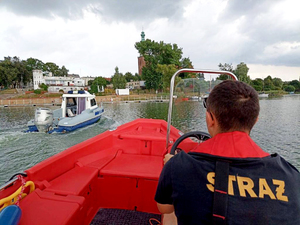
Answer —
(116, 169)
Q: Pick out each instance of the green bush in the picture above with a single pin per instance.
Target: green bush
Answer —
(44, 87)
(37, 91)
(257, 87)
(290, 88)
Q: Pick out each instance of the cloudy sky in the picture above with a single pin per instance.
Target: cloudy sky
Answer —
(92, 37)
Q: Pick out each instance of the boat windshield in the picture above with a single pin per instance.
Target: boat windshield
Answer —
(196, 87)
(71, 107)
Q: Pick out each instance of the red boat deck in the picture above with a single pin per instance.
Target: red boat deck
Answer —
(117, 169)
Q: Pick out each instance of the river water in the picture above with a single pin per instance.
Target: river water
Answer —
(277, 130)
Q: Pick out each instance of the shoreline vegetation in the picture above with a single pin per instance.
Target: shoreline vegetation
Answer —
(15, 97)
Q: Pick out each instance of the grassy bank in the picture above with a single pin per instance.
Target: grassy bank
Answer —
(276, 93)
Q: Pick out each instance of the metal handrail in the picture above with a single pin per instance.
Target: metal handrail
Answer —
(187, 70)
(12, 180)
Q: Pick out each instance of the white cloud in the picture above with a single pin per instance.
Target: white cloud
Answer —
(93, 37)
(283, 72)
(282, 48)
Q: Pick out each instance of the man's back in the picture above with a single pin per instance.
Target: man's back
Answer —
(260, 191)
(228, 177)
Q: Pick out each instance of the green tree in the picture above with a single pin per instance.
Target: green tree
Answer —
(186, 63)
(225, 67)
(14, 72)
(129, 77)
(268, 83)
(152, 78)
(290, 88)
(19, 68)
(157, 53)
(118, 80)
(137, 76)
(8, 72)
(241, 72)
(34, 64)
(278, 83)
(97, 84)
(296, 85)
(37, 91)
(23, 75)
(201, 76)
(52, 67)
(64, 71)
(167, 72)
(257, 84)
(44, 87)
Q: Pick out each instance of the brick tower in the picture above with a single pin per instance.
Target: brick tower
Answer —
(141, 61)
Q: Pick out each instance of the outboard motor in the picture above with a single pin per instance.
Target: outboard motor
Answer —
(43, 119)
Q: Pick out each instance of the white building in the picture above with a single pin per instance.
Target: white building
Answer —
(56, 83)
(122, 91)
(38, 78)
(135, 85)
(87, 79)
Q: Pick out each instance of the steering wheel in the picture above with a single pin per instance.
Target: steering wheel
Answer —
(201, 136)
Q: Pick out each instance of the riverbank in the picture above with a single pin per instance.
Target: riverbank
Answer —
(19, 97)
(41, 100)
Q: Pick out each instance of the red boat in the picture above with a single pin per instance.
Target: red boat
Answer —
(116, 170)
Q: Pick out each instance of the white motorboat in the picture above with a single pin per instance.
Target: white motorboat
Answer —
(78, 109)
(263, 95)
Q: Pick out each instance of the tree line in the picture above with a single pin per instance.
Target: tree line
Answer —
(118, 80)
(259, 84)
(16, 73)
(162, 60)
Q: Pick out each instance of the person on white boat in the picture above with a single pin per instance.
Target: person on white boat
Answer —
(228, 179)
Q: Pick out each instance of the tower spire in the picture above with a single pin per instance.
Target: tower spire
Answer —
(143, 36)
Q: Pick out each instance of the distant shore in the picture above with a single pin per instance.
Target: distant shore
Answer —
(19, 98)
(44, 100)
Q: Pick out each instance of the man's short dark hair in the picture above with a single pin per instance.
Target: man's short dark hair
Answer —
(235, 105)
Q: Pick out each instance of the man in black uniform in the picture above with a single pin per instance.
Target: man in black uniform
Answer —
(228, 179)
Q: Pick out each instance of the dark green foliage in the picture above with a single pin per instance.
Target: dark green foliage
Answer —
(241, 72)
(38, 91)
(118, 80)
(257, 84)
(13, 72)
(97, 84)
(44, 87)
(156, 53)
(278, 83)
(167, 71)
(225, 67)
(17, 73)
(290, 88)
(34, 64)
(296, 85)
(137, 77)
(129, 77)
